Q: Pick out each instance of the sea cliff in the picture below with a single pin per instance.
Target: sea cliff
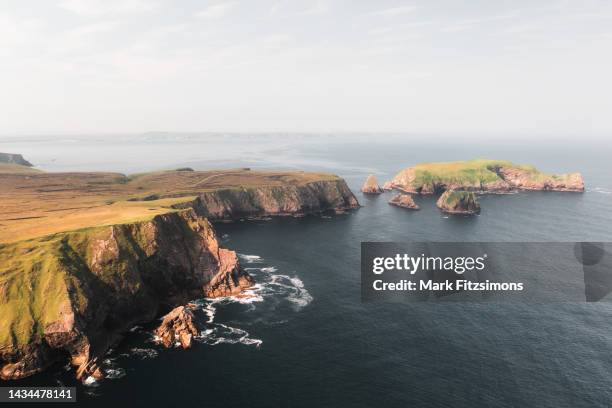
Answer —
(73, 295)
(289, 200)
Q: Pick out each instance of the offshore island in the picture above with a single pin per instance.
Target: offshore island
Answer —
(459, 182)
(87, 256)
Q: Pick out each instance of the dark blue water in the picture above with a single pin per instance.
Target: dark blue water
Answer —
(306, 339)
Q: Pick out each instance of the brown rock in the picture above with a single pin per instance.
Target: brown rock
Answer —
(388, 186)
(231, 279)
(178, 325)
(404, 201)
(371, 186)
(524, 179)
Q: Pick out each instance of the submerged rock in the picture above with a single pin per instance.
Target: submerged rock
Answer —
(458, 202)
(177, 326)
(371, 186)
(404, 201)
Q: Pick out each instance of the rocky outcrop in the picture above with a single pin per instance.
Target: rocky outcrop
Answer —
(177, 327)
(458, 202)
(482, 176)
(288, 200)
(73, 295)
(371, 186)
(404, 201)
(11, 158)
(231, 279)
(525, 180)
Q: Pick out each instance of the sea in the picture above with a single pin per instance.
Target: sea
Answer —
(304, 338)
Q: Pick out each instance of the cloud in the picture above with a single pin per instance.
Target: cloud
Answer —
(396, 11)
(216, 11)
(288, 9)
(320, 7)
(472, 23)
(93, 8)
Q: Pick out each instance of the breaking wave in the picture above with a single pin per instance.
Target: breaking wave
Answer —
(250, 258)
(272, 290)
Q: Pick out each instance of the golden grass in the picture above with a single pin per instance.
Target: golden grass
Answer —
(37, 204)
(16, 168)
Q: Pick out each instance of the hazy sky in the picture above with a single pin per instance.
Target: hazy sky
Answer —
(308, 66)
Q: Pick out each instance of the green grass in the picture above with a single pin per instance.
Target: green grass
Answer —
(40, 276)
(470, 172)
(459, 172)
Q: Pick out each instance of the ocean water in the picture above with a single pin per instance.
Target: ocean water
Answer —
(305, 339)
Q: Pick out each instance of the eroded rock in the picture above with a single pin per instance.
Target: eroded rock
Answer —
(404, 201)
(371, 186)
(178, 326)
(458, 202)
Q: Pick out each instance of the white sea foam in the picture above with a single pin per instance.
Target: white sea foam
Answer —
(601, 190)
(223, 334)
(250, 259)
(143, 353)
(90, 382)
(114, 373)
(270, 286)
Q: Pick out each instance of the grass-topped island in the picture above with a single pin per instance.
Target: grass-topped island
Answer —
(483, 176)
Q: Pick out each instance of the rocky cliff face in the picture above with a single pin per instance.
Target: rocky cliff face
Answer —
(524, 180)
(458, 202)
(293, 200)
(12, 158)
(72, 295)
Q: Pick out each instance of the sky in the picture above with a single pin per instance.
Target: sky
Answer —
(453, 67)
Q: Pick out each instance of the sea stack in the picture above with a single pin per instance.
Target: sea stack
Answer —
(177, 327)
(404, 201)
(371, 186)
(458, 202)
